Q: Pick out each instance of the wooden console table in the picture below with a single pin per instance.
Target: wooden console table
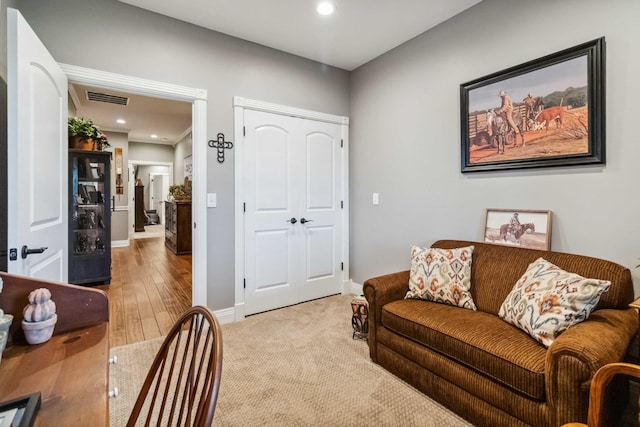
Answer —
(71, 369)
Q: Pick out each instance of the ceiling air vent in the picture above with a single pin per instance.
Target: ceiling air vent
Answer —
(105, 97)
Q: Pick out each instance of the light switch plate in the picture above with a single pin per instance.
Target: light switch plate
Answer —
(376, 199)
(212, 200)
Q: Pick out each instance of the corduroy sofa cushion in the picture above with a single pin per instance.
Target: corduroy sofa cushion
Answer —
(476, 339)
(496, 268)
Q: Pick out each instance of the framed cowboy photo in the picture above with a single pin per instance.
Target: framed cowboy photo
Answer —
(525, 228)
(546, 112)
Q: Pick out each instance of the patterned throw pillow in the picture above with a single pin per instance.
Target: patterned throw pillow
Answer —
(441, 275)
(547, 300)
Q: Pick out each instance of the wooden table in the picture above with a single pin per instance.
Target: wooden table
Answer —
(71, 370)
(71, 373)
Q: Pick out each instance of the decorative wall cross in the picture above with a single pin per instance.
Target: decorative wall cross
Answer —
(221, 145)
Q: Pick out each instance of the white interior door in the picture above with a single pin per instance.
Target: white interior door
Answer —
(37, 156)
(293, 216)
(157, 183)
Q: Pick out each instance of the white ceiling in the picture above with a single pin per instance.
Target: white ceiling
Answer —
(357, 32)
(144, 116)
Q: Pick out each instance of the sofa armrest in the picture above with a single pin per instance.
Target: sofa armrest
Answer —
(378, 292)
(578, 353)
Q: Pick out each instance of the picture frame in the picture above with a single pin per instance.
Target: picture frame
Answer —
(531, 229)
(557, 106)
(95, 173)
(23, 410)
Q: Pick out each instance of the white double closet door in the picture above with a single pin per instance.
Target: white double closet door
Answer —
(293, 210)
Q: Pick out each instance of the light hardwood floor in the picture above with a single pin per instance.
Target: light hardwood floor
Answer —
(150, 288)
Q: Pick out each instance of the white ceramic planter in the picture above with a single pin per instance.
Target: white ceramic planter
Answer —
(5, 322)
(39, 332)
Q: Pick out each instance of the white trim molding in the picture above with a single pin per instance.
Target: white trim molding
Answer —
(226, 315)
(135, 85)
(120, 243)
(252, 104)
(198, 98)
(350, 287)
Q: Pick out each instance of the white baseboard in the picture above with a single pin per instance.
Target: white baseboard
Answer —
(350, 287)
(226, 315)
(120, 243)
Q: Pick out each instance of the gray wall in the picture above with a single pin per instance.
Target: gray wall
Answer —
(119, 218)
(405, 137)
(183, 148)
(112, 36)
(150, 152)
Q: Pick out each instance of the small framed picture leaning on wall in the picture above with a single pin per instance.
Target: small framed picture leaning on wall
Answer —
(525, 228)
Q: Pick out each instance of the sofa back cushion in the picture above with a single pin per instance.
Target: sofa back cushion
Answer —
(497, 268)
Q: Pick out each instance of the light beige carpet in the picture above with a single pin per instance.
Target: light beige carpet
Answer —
(297, 366)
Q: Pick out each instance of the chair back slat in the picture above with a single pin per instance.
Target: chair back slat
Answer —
(182, 385)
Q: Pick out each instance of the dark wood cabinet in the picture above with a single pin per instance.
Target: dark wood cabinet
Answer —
(139, 208)
(89, 217)
(177, 227)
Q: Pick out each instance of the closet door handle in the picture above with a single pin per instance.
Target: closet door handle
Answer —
(292, 220)
(303, 221)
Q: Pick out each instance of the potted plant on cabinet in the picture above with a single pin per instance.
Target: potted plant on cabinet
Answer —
(85, 135)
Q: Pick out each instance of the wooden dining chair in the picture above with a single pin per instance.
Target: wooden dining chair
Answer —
(182, 385)
(601, 379)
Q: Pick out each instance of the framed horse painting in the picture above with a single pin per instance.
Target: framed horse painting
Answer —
(546, 112)
(525, 228)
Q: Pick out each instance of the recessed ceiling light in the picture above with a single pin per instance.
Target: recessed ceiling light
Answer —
(121, 121)
(154, 136)
(325, 8)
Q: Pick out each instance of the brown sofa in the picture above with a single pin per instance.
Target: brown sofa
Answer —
(486, 370)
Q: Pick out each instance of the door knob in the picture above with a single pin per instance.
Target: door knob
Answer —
(26, 251)
(302, 220)
(292, 220)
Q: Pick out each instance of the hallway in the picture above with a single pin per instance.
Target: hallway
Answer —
(150, 287)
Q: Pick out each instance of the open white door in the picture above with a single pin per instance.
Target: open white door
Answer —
(37, 156)
(157, 185)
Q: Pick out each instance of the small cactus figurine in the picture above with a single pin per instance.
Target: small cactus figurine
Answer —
(39, 316)
(40, 307)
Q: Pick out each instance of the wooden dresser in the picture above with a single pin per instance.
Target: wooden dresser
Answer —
(177, 227)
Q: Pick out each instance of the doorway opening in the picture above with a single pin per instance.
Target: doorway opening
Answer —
(198, 99)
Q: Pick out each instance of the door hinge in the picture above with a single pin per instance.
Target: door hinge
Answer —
(244, 207)
(341, 204)
(342, 143)
(244, 283)
(194, 225)
(244, 131)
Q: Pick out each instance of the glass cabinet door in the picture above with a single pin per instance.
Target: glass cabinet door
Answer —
(89, 231)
